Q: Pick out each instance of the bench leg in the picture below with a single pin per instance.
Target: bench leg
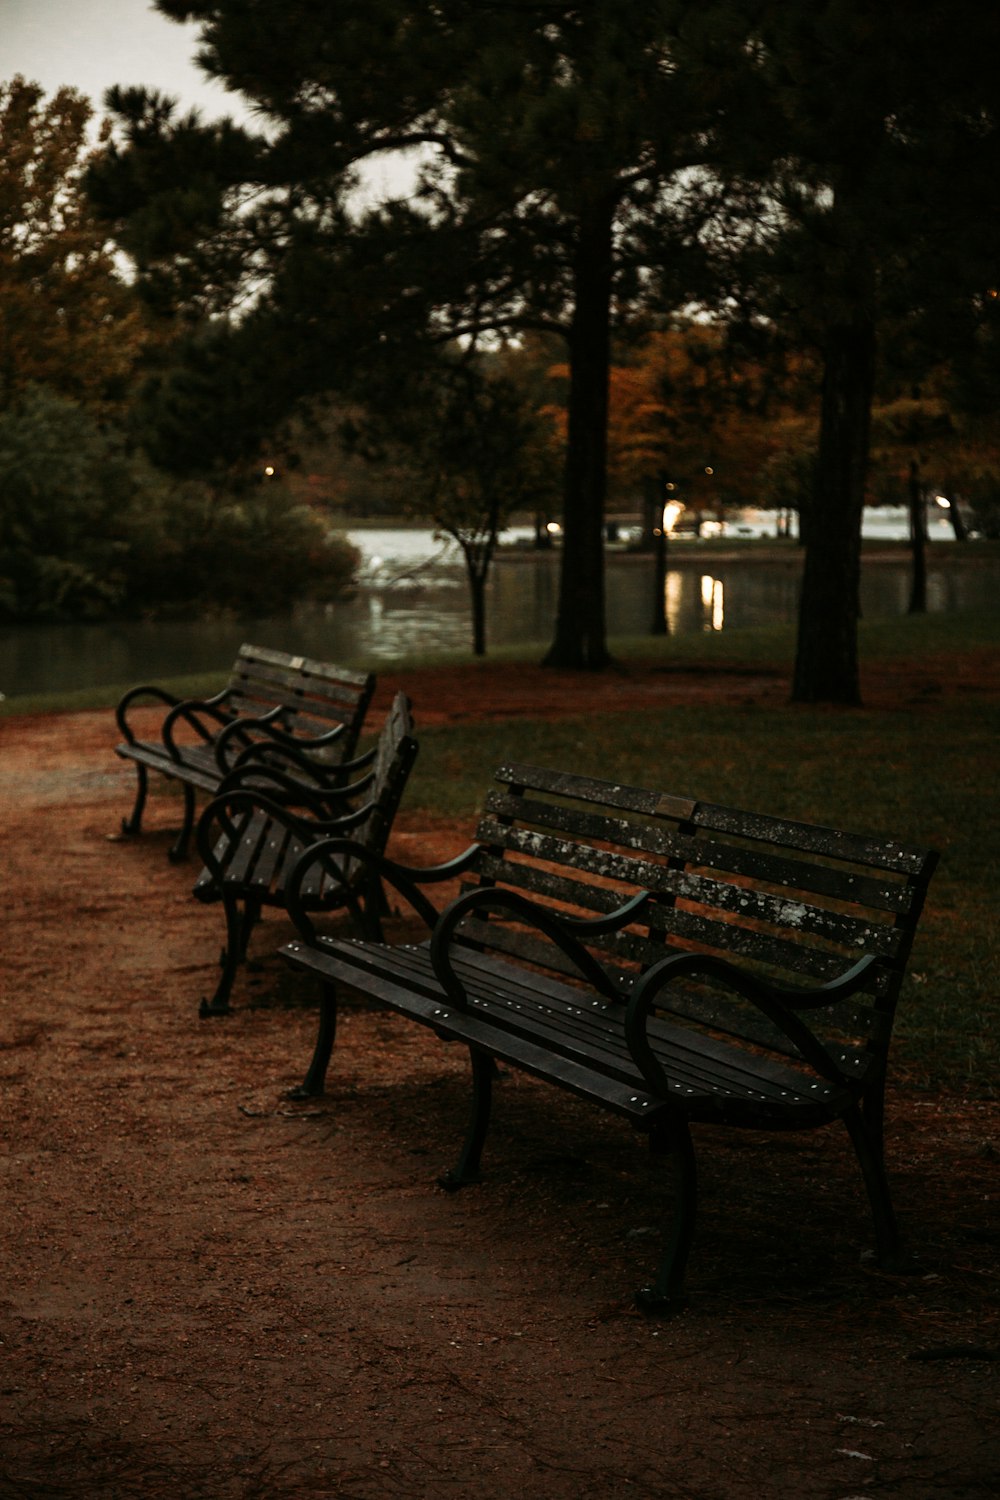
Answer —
(179, 848)
(873, 1114)
(867, 1146)
(467, 1168)
(369, 911)
(237, 936)
(132, 825)
(666, 1295)
(314, 1082)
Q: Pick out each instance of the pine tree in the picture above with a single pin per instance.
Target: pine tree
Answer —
(553, 146)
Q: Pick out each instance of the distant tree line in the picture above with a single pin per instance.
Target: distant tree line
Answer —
(90, 526)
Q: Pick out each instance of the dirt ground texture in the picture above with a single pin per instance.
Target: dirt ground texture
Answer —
(209, 1291)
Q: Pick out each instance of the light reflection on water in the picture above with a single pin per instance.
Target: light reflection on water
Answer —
(415, 600)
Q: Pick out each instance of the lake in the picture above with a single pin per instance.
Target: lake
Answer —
(411, 597)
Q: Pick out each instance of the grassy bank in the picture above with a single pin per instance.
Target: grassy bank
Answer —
(925, 775)
(768, 648)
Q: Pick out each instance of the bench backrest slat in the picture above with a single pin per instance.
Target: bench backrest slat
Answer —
(315, 695)
(757, 865)
(797, 903)
(654, 806)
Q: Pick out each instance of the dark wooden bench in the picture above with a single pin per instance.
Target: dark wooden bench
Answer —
(673, 961)
(253, 831)
(311, 709)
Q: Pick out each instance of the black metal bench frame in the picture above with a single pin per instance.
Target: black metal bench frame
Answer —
(256, 828)
(673, 961)
(313, 710)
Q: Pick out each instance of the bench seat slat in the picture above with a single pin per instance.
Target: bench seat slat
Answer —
(719, 1012)
(698, 1067)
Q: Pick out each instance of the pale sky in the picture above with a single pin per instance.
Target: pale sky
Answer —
(91, 44)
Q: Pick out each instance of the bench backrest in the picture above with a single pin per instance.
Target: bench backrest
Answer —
(385, 783)
(796, 903)
(315, 695)
(395, 754)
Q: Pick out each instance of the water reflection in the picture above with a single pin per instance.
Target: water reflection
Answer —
(413, 607)
(712, 595)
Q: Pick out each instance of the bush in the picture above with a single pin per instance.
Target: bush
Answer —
(255, 553)
(89, 530)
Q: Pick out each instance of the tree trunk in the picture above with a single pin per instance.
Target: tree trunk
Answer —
(653, 500)
(918, 541)
(477, 569)
(580, 633)
(958, 526)
(826, 663)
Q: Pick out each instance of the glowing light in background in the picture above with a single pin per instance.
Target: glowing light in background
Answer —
(712, 597)
(671, 511)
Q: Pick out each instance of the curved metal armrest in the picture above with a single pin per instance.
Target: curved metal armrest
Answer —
(125, 702)
(275, 750)
(228, 814)
(779, 1005)
(567, 932)
(306, 784)
(241, 730)
(406, 879)
(295, 740)
(191, 711)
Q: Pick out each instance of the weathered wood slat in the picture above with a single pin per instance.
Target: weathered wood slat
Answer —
(759, 866)
(880, 854)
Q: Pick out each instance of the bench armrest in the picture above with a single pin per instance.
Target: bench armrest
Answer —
(781, 1006)
(237, 736)
(125, 702)
(293, 738)
(567, 933)
(278, 751)
(307, 785)
(226, 816)
(406, 879)
(193, 711)
(290, 786)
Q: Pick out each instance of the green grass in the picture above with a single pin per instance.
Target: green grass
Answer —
(926, 776)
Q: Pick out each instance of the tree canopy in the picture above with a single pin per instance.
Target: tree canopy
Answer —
(819, 169)
(68, 319)
(554, 144)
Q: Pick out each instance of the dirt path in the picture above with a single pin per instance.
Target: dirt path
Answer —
(208, 1292)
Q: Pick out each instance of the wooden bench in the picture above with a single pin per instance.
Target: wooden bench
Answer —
(252, 833)
(673, 961)
(312, 709)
